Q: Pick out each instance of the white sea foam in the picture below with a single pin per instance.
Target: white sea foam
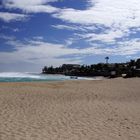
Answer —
(19, 76)
(90, 78)
(33, 76)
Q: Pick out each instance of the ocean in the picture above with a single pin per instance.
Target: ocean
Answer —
(30, 77)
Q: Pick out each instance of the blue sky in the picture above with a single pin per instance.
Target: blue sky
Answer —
(53, 32)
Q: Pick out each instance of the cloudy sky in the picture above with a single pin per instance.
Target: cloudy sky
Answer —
(34, 33)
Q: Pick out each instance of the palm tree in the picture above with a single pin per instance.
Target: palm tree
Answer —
(107, 58)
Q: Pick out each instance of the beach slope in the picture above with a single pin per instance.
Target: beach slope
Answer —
(71, 110)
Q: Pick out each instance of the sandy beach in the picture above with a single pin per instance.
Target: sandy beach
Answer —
(71, 110)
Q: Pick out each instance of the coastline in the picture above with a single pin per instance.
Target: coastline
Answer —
(36, 77)
(76, 109)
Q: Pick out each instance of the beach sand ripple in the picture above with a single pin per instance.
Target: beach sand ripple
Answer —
(71, 110)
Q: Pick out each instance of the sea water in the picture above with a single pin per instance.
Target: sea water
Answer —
(30, 77)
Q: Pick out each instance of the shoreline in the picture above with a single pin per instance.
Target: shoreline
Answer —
(26, 79)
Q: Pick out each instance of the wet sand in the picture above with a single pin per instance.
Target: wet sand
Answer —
(71, 110)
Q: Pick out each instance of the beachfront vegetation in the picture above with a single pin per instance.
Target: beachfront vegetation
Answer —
(128, 69)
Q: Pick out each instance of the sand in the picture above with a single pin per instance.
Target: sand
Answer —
(71, 110)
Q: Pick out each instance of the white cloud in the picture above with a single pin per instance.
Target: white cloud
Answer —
(109, 36)
(41, 50)
(75, 27)
(113, 20)
(66, 27)
(105, 12)
(10, 28)
(25, 2)
(44, 53)
(16, 30)
(115, 17)
(37, 52)
(38, 38)
(7, 17)
(130, 47)
(7, 38)
(32, 6)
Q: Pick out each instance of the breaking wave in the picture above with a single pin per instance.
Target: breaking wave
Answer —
(27, 77)
(18, 76)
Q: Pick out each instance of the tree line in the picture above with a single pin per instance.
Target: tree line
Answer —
(128, 69)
